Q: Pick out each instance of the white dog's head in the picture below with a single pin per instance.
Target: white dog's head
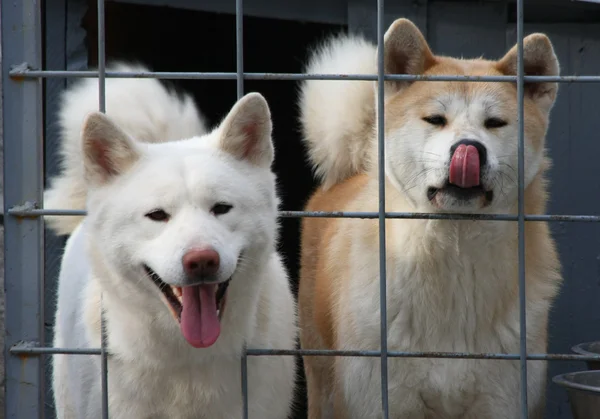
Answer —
(453, 146)
(179, 220)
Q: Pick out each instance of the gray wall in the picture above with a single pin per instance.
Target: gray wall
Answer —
(459, 28)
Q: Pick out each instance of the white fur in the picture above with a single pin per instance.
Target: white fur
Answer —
(152, 371)
(143, 107)
(335, 143)
(451, 285)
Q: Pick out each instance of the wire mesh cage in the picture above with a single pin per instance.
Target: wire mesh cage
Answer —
(24, 230)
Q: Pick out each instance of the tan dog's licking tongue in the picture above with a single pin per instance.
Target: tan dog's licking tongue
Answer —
(200, 324)
(464, 166)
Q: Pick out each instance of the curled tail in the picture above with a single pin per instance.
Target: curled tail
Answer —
(144, 108)
(338, 116)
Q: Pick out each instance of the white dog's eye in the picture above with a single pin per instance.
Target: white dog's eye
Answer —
(221, 208)
(158, 215)
(491, 123)
(437, 120)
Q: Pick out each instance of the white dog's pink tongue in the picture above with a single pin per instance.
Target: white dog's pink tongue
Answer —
(464, 166)
(199, 320)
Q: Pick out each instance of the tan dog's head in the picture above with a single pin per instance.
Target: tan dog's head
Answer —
(453, 146)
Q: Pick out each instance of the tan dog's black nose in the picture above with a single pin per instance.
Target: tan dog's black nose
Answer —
(480, 148)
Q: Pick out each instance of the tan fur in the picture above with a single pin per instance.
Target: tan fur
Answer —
(451, 285)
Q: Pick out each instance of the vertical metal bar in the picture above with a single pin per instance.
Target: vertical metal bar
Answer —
(381, 175)
(54, 16)
(239, 55)
(102, 108)
(104, 361)
(101, 57)
(521, 208)
(244, 369)
(23, 177)
(239, 46)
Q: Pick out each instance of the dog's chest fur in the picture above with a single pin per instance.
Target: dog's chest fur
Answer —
(206, 391)
(450, 289)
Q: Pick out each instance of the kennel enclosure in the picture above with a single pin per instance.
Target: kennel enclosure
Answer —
(47, 44)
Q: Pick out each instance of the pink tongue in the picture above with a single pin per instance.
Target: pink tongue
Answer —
(199, 320)
(464, 166)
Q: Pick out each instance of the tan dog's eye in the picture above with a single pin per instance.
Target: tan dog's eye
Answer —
(491, 123)
(437, 120)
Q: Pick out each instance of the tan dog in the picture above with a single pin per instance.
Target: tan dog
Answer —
(451, 285)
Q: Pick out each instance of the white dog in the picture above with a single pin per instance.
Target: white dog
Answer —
(177, 249)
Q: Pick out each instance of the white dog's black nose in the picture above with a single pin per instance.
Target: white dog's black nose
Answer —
(480, 149)
(199, 264)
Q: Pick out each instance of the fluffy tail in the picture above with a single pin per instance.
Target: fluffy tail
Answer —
(337, 116)
(144, 108)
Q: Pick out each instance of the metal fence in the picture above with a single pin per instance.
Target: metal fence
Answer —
(23, 173)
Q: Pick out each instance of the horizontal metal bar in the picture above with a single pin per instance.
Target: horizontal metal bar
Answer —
(28, 211)
(30, 349)
(439, 216)
(22, 72)
(23, 211)
(421, 354)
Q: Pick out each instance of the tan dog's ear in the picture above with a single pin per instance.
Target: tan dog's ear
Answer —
(405, 52)
(539, 59)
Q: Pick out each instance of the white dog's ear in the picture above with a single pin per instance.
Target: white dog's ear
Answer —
(539, 59)
(405, 51)
(107, 150)
(246, 131)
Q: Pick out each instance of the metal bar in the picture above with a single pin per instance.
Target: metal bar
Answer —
(30, 349)
(23, 238)
(521, 208)
(239, 46)
(34, 212)
(103, 361)
(244, 368)
(440, 216)
(239, 55)
(101, 58)
(102, 108)
(422, 354)
(55, 47)
(31, 212)
(382, 220)
(22, 72)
